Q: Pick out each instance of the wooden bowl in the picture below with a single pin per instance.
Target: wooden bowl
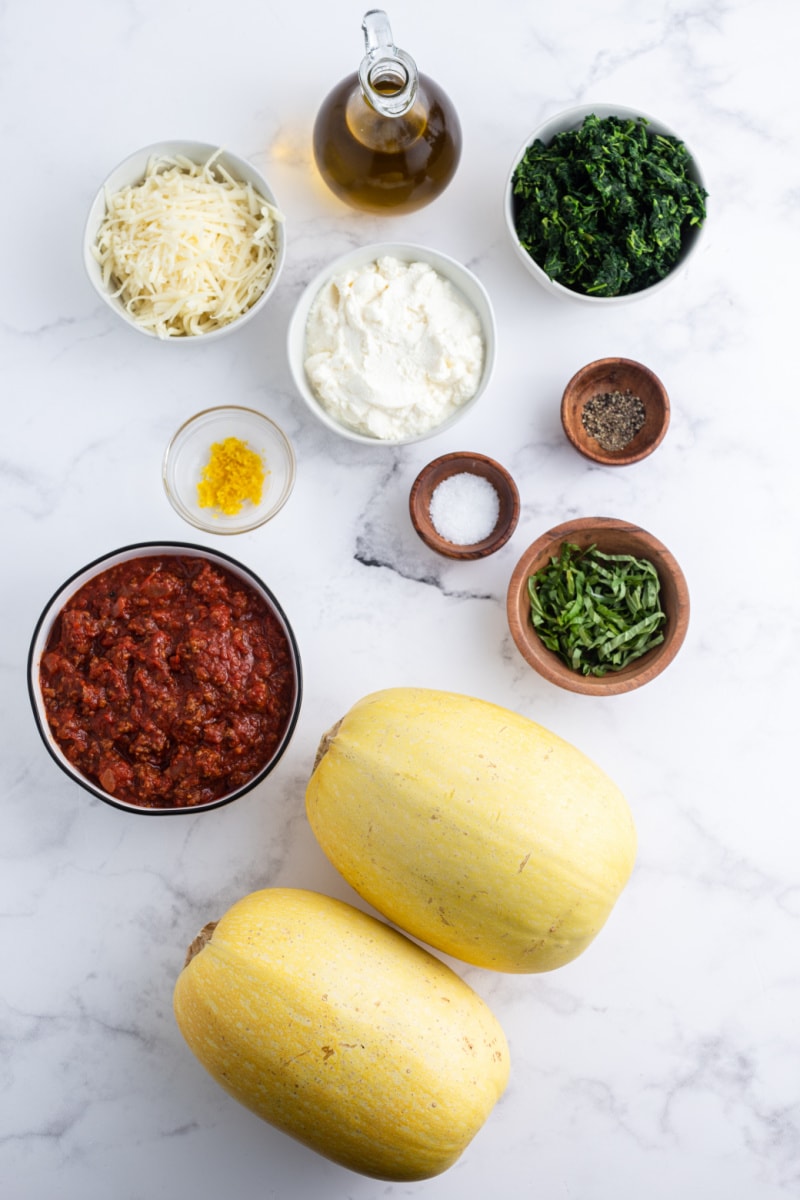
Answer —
(613, 537)
(615, 375)
(429, 478)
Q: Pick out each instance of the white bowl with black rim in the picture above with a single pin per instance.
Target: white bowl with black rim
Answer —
(572, 119)
(242, 575)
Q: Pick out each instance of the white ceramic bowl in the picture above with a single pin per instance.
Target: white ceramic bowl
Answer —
(572, 118)
(130, 172)
(463, 280)
(189, 450)
(50, 615)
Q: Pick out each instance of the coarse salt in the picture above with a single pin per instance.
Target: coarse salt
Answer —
(464, 508)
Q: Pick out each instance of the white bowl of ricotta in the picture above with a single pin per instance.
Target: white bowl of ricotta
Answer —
(392, 343)
(184, 241)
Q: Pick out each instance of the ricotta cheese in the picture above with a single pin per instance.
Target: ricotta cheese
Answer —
(392, 349)
(189, 248)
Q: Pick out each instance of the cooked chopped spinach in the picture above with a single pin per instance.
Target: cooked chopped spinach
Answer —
(596, 611)
(604, 209)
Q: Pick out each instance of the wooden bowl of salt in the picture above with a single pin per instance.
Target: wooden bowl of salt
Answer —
(464, 505)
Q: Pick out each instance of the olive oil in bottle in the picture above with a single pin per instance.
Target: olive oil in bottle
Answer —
(386, 139)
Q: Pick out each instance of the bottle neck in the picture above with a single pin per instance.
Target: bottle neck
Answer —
(388, 76)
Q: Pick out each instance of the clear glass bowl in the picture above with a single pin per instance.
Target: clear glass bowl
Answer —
(190, 449)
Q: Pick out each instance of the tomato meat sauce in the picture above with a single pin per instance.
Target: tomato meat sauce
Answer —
(168, 681)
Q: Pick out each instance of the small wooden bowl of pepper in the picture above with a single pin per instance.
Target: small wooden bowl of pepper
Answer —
(615, 411)
(598, 606)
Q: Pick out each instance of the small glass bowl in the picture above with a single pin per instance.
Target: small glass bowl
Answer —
(190, 449)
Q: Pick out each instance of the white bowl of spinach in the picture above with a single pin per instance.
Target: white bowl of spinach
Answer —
(604, 203)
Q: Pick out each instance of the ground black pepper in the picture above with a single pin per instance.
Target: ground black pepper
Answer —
(613, 418)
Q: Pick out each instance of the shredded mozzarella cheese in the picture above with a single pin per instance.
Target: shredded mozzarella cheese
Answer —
(188, 249)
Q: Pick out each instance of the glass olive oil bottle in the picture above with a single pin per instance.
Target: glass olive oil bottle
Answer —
(386, 139)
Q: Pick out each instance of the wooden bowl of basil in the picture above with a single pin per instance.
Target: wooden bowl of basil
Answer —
(598, 606)
(604, 204)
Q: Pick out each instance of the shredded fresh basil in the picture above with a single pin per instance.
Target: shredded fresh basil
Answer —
(605, 209)
(597, 612)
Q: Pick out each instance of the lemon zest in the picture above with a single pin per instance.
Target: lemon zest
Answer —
(233, 475)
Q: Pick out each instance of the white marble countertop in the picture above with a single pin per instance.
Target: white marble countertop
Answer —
(666, 1060)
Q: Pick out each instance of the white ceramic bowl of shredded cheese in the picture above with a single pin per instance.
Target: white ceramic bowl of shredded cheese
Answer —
(404, 360)
(184, 241)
